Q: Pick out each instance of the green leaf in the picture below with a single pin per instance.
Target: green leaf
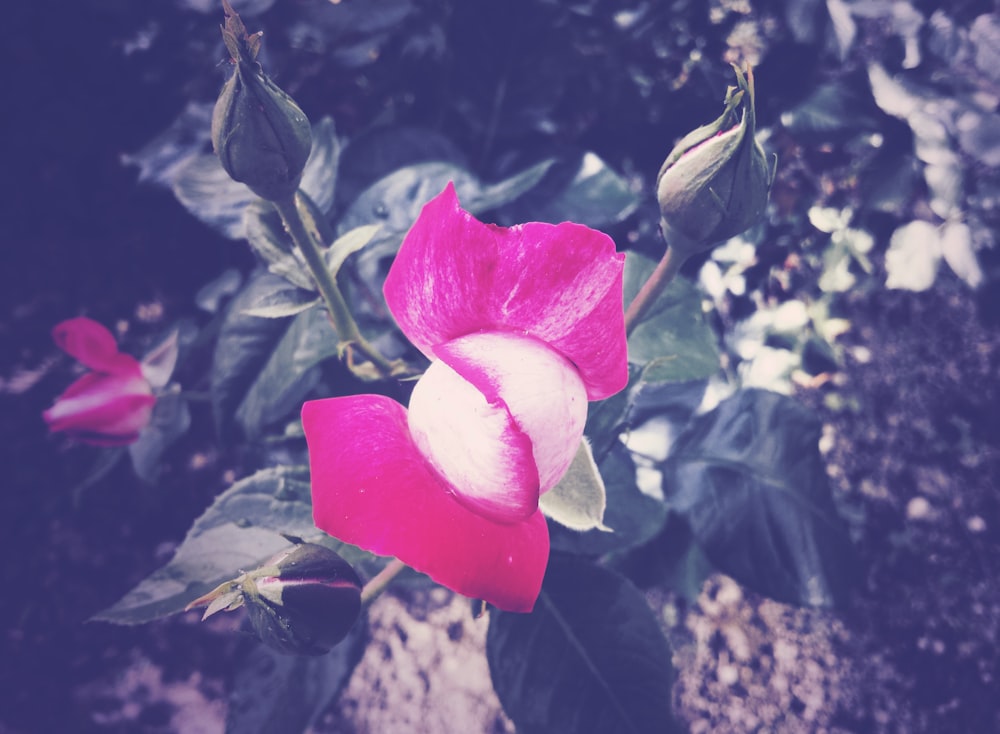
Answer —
(632, 517)
(673, 341)
(590, 659)
(203, 187)
(171, 420)
(243, 347)
(831, 108)
(240, 530)
(290, 372)
(267, 237)
(286, 694)
(607, 418)
(319, 177)
(493, 196)
(280, 301)
(282, 310)
(579, 500)
(347, 244)
(749, 480)
(914, 253)
(595, 195)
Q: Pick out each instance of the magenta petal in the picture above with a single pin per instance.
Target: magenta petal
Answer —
(94, 346)
(372, 488)
(561, 284)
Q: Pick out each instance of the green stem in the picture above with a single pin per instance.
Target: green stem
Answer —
(665, 270)
(344, 324)
(380, 581)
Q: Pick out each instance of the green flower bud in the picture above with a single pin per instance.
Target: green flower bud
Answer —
(715, 182)
(303, 601)
(261, 136)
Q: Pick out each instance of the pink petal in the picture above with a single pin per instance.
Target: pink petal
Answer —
(94, 346)
(372, 488)
(561, 284)
(500, 416)
(102, 409)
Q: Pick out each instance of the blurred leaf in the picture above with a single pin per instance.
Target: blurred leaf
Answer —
(495, 195)
(244, 345)
(946, 184)
(958, 252)
(284, 308)
(984, 34)
(633, 517)
(171, 420)
(243, 7)
(267, 237)
(590, 659)
(283, 694)
(979, 135)
(377, 152)
(805, 20)
(844, 28)
(204, 188)
(319, 178)
(911, 261)
(280, 299)
(352, 35)
(578, 501)
(212, 295)
(160, 159)
(596, 196)
(104, 463)
(607, 418)
(833, 107)
(290, 372)
(670, 402)
(749, 480)
(673, 338)
(896, 97)
(158, 364)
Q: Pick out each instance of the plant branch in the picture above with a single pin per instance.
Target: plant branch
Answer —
(380, 581)
(340, 315)
(662, 275)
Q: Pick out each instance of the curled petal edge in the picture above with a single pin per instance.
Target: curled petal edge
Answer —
(560, 283)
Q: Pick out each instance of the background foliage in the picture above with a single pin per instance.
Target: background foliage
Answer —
(884, 119)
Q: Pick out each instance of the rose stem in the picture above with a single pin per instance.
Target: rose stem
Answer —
(340, 314)
(380, 581)
(664, 272)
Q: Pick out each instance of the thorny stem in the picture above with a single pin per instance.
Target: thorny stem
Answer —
(380, 581)
(662, 275)
(344, 324)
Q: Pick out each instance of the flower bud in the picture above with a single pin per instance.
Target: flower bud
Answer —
(303, 601)
(715, 182)
(261, 136)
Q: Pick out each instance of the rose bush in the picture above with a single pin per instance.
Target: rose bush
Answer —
(111, 404)
(523, 326)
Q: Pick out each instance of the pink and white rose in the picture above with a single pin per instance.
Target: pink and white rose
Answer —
(523, 326)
